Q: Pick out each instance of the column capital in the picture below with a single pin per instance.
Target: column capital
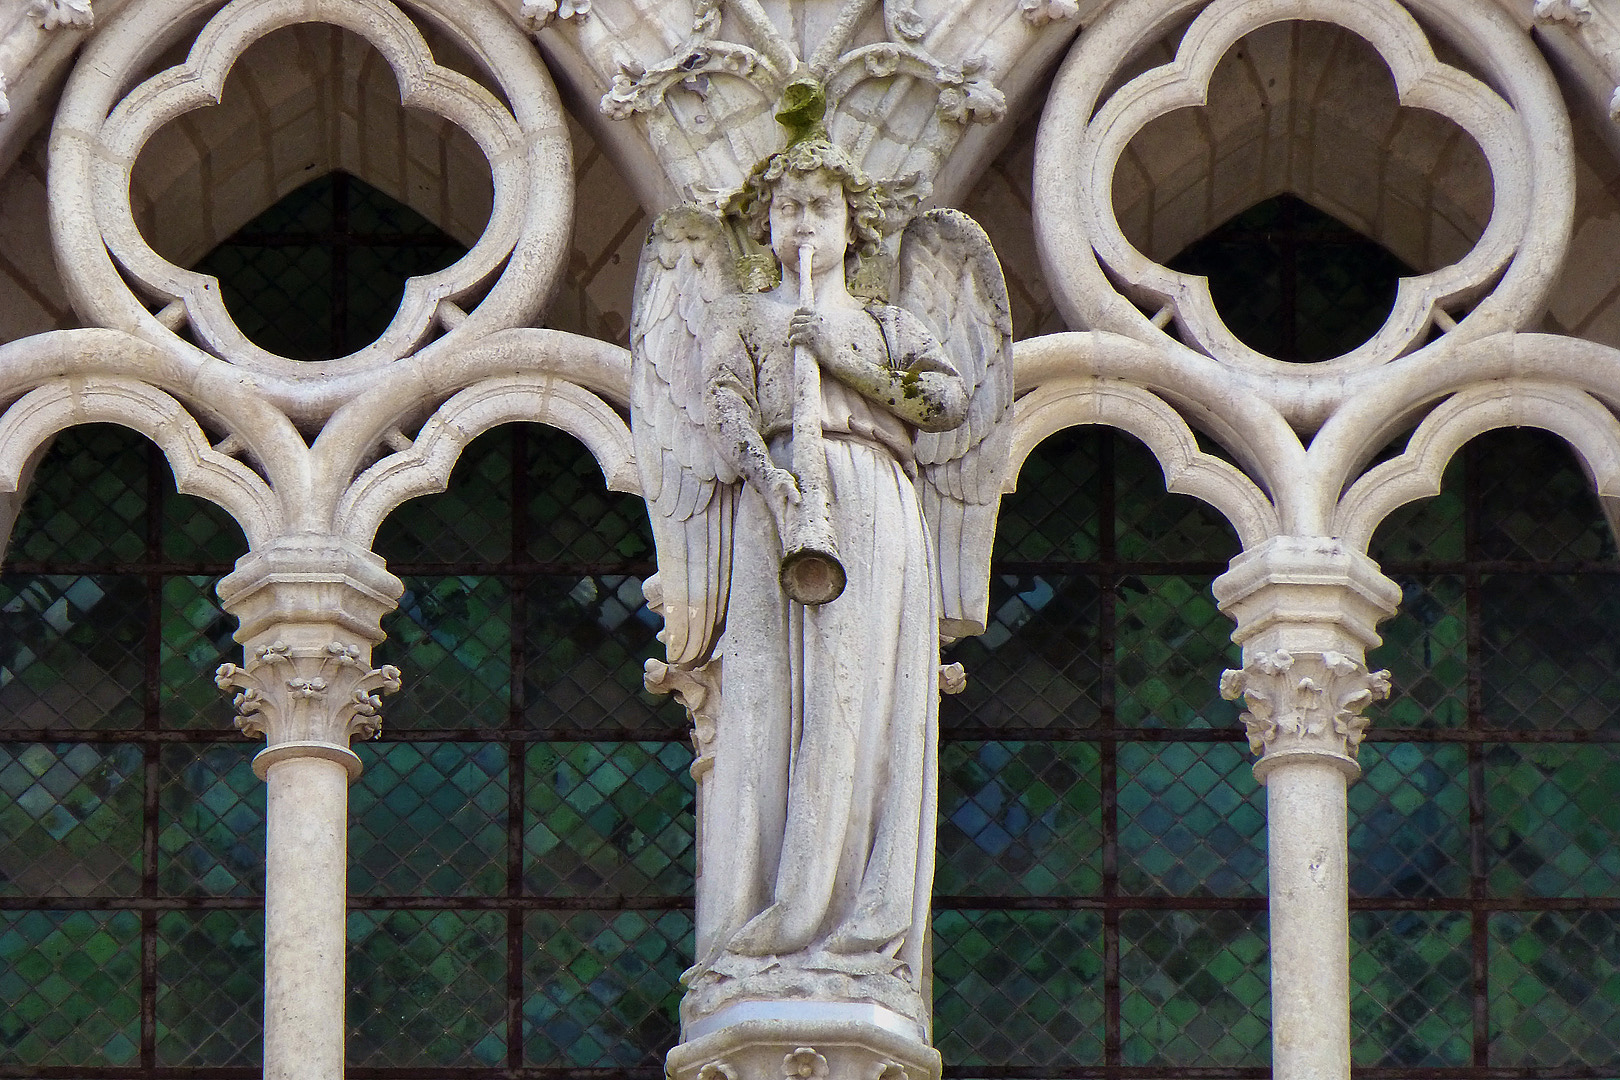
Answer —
(1306, 706)
(308, 701)
(308, 589)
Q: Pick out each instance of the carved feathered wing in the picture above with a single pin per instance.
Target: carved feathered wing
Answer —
(686, 266)
(949, 278)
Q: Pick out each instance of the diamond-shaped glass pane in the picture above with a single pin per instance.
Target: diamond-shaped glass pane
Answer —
(452, 637)
(1428, 530)
(196, 639)
(70, 988)
(471, 522)
(87, 501)
(1053, 516)
(601, 989)
(587, 641)
(210, 822)
(429, 819)
(1019, 819)
(1020, 988)
(1535, 501)
(573, 517)
(1552, 819)
(1411, 977)
(70, 819)
(197, 531)
(1170, 645)
(1555, 989)
(427, 988)
(1192, 820)
(1550, 656)
(210, 996)
(1036, 663)
(608, 819)
(70, 651)
(1194, 988)
(1409, 821)
(1426, 651)
(1153, 525)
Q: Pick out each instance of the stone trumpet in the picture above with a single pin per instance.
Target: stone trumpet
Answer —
(811, 572)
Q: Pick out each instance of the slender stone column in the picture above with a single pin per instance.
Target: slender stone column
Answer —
(1306, 609)
(310, 610)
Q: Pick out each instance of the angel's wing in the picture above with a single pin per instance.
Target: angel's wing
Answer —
(691, 495)
(949, 278)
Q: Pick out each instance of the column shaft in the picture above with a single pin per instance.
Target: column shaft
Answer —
(1310, 922)
(305, 912)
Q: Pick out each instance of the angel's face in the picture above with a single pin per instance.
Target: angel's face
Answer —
(809, 208)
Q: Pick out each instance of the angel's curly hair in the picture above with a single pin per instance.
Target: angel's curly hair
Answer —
(810, 155)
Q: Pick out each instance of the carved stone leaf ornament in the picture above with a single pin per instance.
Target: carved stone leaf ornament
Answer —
(1310, 703)
(51, 14)
(302, 699)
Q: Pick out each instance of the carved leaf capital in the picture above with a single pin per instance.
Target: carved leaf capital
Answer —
(321, 695)
(1312, 701)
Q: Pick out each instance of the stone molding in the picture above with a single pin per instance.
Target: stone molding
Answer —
(802, 1049)
(1306, 706)
(308, 701)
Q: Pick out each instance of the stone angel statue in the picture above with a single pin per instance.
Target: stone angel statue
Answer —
(881, 432)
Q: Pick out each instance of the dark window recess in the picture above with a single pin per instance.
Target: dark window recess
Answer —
(320, 274)
(1295, 283)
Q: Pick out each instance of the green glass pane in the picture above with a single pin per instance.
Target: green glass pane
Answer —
(195, 530)
(1535, 501)
(1194, 988)
(210, 821)
(601, 990)
(1555, 989)
(608, 819)
(1409, 821)
(1192, 820)
(1036, 663)
(1153, 525)
(1053, 515)
(1020, 988)
(452, 637)
(70, 988)
(1019, 819)
(70, 651)
(429, 819)
(1411, 981)
(1550, 658)
(588, 640)
(427, 988)
(70, 819)
(87, 501)
(471, 522)
(1425, 650)
(376, 278)
(1552, 819)
(573, 517)
(210, 998)
(1428, 530)
(1171, 644)
(196, 639)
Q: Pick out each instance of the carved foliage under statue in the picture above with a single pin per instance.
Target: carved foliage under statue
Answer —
(767, 407)
(1306, 704)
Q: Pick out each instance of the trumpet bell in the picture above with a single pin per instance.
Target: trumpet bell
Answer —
(812, 577)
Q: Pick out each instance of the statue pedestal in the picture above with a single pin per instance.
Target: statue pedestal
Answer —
(804, 1040)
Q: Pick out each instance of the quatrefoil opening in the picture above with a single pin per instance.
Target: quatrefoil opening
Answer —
(1077, 164)
(520, 248)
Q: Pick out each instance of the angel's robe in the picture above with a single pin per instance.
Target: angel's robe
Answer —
(819, 845)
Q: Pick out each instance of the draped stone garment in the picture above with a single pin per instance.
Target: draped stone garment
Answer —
(818, 844)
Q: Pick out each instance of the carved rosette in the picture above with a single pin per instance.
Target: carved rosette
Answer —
(1305, 705)
(308, 701)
